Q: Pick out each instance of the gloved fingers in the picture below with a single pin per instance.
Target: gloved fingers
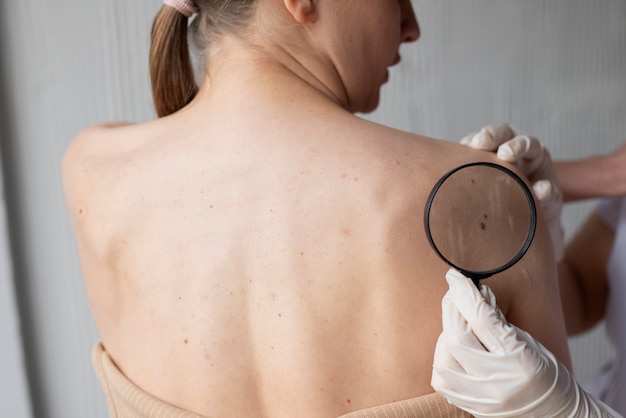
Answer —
(457, 389)
(551, 201)
(467, 139)
(448, 373)
(449, 378)
(458, 348)
(461, 351)
(483, 375)
(511, 376)
(491, 300)
(475, 312)
(520, 147)
(525, 370)
(489, 138)
(466, 391)
(543, 190)
(523, 380)
(529, 155)
(452, 386)
(535, 348)
(550, 198)
(443, 359)
(488, 295)
(455, 327)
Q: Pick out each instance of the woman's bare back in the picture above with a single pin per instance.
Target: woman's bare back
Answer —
(272, 265)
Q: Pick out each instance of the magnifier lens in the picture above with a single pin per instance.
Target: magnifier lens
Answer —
(480, 219)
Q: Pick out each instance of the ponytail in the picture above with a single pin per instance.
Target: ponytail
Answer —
(171, 71)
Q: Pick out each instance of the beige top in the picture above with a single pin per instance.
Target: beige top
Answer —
(127, 400)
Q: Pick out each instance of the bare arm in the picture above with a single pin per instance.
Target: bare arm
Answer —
(582, 272)
(593, 177)
(582, 275)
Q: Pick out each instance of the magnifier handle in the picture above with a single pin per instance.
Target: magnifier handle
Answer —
(475, 277)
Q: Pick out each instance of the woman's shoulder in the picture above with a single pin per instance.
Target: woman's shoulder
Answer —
(91, 135)
(91, 141)
(87, 153)
(417, 160)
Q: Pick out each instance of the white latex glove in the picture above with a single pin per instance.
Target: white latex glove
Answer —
(490, 368)
(533, 159)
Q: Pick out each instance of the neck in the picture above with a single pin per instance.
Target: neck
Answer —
(235, 64)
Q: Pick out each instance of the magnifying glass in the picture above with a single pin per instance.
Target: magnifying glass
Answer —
(473, 227)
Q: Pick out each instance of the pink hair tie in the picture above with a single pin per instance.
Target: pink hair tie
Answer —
(185, 7)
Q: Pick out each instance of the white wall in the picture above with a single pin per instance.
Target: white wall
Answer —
(67, 64)
(554, 68)
(14, 394)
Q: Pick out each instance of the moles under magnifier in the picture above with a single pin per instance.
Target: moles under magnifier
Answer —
(472, 227)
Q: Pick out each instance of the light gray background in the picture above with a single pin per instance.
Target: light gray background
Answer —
(553, 68)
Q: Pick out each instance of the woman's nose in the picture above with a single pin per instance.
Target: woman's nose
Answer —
(410, 27)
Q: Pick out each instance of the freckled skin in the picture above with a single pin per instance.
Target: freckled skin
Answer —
(225, 282)
(340, 292)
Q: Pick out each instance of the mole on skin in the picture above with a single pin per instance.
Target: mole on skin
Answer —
(482, 224)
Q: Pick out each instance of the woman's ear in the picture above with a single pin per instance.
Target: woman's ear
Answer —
(303, 11)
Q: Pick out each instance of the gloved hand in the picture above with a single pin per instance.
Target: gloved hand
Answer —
(490, 368)
(533, 159)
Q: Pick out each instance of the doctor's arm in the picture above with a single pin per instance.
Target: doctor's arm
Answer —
(592, 177)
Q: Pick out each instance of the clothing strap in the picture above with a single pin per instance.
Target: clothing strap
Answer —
(127, 400)
(425, 406)
(185, 7)
(124, 398)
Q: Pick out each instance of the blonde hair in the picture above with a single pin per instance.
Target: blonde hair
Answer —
(171, 69)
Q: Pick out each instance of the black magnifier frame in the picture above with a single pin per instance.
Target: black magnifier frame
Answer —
(476, 276)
